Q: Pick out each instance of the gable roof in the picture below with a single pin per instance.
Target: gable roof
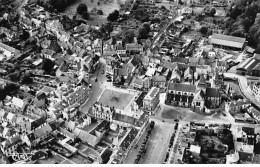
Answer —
(168, 65)
(182, 87)
(129, 139)
(199, 93)
(42, 131)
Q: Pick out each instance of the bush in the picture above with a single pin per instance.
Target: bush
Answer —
(82, 8)
(100, 12)
(212, 12)
(47, 65)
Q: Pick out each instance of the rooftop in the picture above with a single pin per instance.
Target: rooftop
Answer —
(182, 87)
(152, 93)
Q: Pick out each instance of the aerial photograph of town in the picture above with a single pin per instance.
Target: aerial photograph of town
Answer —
(129, 82)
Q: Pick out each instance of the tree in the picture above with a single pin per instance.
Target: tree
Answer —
(82, 8)
(10, 87)
(144, 31)
(25, 35)
(15, 76)
(85, 15)
(106, 29)
(47, 65)
(26, 79)
(2, 94)
(204, 30)
(113, 16)
(235, 12)
(212, 12)
(129, 36)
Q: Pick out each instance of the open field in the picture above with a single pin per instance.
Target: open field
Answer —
(107, 6)
(171, 114)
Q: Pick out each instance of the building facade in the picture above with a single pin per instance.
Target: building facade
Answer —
(151, 100)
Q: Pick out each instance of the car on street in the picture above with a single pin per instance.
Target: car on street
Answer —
(96, 80)
(109, 80)
(224, 114)
(102, 72)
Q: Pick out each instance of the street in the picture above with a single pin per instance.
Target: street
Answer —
(97, 87)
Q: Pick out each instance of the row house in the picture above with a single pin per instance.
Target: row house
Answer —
(34, 138)
(120, 50)
(139, 83)
(79, 95)
(256, 90)
(8, 51)
(9, 146)
(53, 26)
(97, 45)
(255, 113)
(134, 48)
(71, 111)
(180, 94)
(45, 81)
(151, 100)
(159, 81)
(18, 104)
(234, 107)
(100, 112)
(35, 111)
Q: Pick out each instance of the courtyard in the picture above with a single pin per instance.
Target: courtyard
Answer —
(117, 99)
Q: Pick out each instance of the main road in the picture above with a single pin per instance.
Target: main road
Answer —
(97, 87)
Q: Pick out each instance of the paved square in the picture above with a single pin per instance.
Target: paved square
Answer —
(119, 100)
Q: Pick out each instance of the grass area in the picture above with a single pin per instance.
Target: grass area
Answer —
(117, 99)
(171, 114)
(107, 6)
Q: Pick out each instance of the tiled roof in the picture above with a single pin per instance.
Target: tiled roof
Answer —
(182, 87)
(168, 65)
(129, 139)
(158, 78)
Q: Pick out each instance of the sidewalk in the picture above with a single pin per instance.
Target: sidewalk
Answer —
(175, 144)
